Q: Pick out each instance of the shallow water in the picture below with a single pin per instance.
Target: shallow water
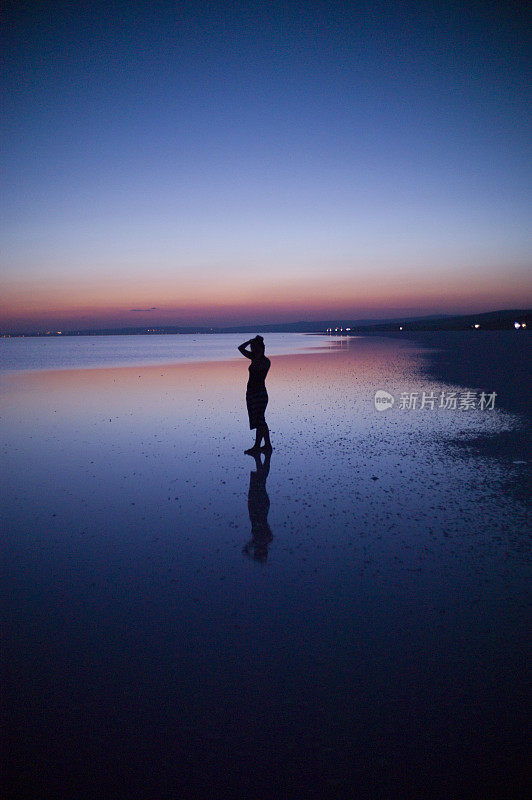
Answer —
(80, 352)
(369, 639)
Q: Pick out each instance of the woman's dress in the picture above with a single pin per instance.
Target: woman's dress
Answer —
(256, 394)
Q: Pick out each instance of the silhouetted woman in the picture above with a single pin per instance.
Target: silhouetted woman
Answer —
(256, 394)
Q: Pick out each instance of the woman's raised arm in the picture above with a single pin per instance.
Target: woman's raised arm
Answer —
(242, 348)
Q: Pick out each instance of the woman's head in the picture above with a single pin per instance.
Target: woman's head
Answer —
(257, 345)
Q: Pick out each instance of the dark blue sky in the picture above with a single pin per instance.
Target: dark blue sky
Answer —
(261, 160)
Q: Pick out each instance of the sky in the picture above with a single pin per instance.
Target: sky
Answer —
(225, 163)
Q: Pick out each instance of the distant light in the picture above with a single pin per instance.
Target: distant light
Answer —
(517, 325)
(336, 329)
(348, 329)
(476, 325)
(400, 327)
(523, 324)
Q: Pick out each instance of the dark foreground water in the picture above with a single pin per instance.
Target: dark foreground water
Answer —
(347, 621)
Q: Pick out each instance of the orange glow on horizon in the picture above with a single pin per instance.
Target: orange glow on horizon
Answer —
(262, 297)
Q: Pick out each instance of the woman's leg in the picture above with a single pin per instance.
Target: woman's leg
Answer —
(256, 446)
(265, 434)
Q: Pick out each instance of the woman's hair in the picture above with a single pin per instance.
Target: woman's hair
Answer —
(257, 344)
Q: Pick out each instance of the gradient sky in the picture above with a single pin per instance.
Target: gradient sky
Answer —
(175, 163)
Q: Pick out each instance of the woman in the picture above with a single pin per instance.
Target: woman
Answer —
(256, 395)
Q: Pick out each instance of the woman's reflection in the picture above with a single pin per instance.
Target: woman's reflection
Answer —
(258, 507)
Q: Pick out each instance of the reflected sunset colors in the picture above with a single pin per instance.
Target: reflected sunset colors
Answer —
(150, 432)
(243, 597)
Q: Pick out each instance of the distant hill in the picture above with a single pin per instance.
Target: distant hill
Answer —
(490, 320)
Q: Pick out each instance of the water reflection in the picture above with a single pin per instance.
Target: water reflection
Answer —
(121, 511)
(258, 507)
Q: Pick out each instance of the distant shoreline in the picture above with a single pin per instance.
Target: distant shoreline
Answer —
(507, 319)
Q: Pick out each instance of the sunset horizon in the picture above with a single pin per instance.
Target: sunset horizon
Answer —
(298, 162)
(159, 318)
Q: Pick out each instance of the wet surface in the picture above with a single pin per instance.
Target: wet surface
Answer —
(71, 352)
(376, 648)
